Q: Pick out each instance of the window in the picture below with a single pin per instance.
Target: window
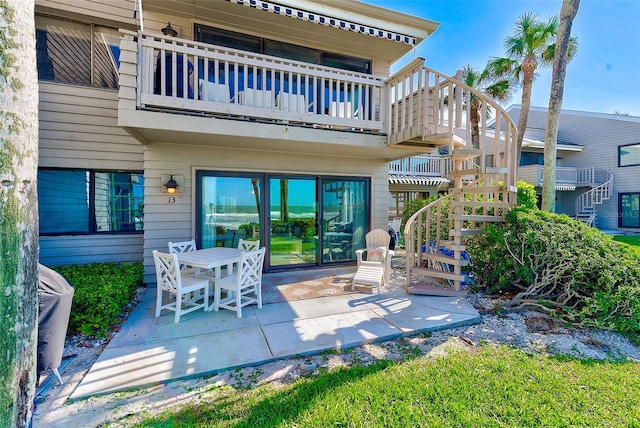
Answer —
(629, 155)
(629, 209)
(530, 158)
(77, 54)
(86, 202)
(231, 39)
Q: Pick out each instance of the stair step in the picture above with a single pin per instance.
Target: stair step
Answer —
(442, 139)
(465, 232)
(496, 170)
(453, 246)
(465, 154)
(476, 190)
(462, 172)
(443, 258)
(432, 290)
(434, 273)
(473, 217)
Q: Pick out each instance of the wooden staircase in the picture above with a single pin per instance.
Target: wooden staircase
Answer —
(428, 110)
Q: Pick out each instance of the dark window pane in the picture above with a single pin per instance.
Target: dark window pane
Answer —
(629, 210)
(296, 53)
(346, 63)
(63, 200)
(64, 53)
(106, 58)
(229, 39)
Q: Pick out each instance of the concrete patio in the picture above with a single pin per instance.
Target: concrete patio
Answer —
(151, 350)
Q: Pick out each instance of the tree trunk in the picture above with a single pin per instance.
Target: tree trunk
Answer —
(18, 212)
(474, 119)
(567, 14)
(529, 66)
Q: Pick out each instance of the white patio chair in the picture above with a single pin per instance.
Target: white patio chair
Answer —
(181, 247)
(293, 102)
(248, 245)
(375, 240)
(256, 98)
(184, 288)
(244, 287)
(371, 272)
(342, 109)
(212, 91)
(244, 245)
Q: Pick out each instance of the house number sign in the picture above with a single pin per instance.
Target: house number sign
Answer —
(172, 200)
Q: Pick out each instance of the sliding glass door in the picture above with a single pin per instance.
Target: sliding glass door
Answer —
(228, 208)
(292, 221)
(345, 207)
(304, 221)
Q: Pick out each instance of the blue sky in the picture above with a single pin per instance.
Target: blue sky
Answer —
(603, 77)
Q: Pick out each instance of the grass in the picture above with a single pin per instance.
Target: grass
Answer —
(628, 239)
(489, 387)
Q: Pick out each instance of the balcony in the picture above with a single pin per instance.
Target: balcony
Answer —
(422, 166)
(198, 80)
(567, 178)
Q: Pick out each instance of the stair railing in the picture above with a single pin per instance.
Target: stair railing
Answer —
(428, 227)
(425, 103)
(596, 195)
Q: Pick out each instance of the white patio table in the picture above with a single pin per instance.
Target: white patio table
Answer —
(211, 259)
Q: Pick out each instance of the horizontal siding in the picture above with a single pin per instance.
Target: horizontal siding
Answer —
(66, 250)
(110, 12)
(79, 129)
(174, 222)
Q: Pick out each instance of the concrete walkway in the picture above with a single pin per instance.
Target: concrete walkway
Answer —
(151, 350)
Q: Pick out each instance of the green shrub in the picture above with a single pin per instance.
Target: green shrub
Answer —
(559, 265)
(526, 196)
(101, 292)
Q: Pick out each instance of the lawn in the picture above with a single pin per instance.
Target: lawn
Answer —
(490, 386)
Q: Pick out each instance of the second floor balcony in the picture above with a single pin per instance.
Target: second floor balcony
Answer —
(196, 80)
(567, 178)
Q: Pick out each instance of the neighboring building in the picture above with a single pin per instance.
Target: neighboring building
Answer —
(230, 118)
(598, 165)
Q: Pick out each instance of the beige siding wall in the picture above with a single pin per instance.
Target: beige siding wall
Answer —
(165, 221)
(78, 129)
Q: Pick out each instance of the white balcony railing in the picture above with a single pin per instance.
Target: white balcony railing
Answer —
(179, 74)
(422, 165)
(580, 177)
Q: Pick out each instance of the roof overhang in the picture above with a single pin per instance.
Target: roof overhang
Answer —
(537, 144)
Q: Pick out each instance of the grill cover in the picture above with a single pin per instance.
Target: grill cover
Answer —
(55, 295)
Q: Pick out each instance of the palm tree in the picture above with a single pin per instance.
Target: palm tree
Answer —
(568, 12)
(489, 83)
(531, 45)
(18, 212)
